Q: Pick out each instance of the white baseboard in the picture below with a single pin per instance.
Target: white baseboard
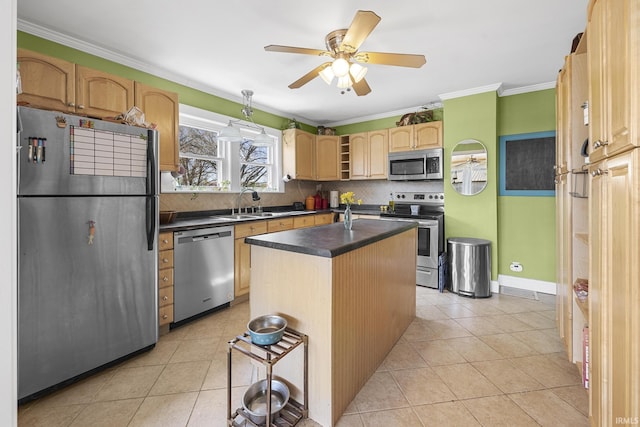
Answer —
(526, 284)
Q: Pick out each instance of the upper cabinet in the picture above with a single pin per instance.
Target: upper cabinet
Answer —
(368, 153)
(298, 154)
(416, 137)
(47, 82)
(328, 153)
(161, 107)
(99, 94)
(613, 75)
(54, 84)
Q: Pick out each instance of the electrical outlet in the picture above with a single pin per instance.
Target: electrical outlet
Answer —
(516, 266)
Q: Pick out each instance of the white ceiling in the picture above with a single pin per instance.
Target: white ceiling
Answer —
(218, 47)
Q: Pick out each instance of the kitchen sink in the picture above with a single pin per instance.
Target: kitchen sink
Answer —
(237, 216)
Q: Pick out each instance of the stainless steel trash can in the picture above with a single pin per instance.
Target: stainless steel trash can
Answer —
(469, 266)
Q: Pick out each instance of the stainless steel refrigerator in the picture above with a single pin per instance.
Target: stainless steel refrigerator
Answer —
(87, 246)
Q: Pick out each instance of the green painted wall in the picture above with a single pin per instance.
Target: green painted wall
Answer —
(385, 123)
(526, 225)
(473, 117)
(187, 95)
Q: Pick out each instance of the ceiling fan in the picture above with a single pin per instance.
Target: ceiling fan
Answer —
(342, 46)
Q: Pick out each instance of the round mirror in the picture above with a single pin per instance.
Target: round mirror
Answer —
(469, 167)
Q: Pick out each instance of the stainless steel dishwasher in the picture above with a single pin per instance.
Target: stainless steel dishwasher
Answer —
(203, 270)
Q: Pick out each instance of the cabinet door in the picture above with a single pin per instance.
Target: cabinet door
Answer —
(327, 158)
(359, 153)
(561, 273)
(597, 111)
(242, 280)
(401, 138)
(102, 95)
(378, 154)
(428, 135)
(298, 154)
(46, 82)
(622, 71)
(161, 107)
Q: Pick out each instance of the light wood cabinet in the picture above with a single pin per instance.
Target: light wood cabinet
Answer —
(369, 154)
(54, 84)
(165, 278)
(298, 154)
(614, 73)
(324, 218)
(416, 137)
(327, 159)
(99, 94)
(47, 82)
(242, 252)
(161, 107)
(615, 291)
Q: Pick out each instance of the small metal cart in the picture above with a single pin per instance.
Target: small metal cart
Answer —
(268, 356)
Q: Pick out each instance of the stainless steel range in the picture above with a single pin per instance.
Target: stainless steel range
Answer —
(427, 209)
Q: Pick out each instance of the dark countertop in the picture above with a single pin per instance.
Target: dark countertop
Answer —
(214, 219)
(331, 240)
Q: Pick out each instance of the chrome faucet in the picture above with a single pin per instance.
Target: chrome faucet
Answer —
(254, 196)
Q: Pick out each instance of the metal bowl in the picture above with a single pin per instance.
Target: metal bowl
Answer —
(267, 330)
(254, 401)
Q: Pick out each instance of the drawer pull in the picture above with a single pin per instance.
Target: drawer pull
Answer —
(165, 279)
(165, 298)
(164, 316)
(599, 172)
(165, 260)
(165, 241)
(599, 144)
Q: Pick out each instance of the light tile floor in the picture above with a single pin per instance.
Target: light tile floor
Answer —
(462, 362)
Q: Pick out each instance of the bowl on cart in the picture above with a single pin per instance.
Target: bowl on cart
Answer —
(267, 330)
(254, 401)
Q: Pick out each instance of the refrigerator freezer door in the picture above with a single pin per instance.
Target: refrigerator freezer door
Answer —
(87, 286)
(104, 158)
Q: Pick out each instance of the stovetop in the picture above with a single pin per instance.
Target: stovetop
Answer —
(431, 205)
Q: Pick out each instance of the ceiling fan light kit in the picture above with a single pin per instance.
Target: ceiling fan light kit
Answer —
(342, 45)
(232, 133)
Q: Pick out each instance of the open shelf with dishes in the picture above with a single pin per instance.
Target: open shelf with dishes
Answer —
(268, 355)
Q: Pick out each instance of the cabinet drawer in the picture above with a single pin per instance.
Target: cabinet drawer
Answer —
(304, 221)
(324, 219)
(250, 229)
(279, 224)
(165, 241)
(165, 277)
(165, 314)
(165, 296)
(165, 259)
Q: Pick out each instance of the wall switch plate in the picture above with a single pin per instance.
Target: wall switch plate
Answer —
(516, 266)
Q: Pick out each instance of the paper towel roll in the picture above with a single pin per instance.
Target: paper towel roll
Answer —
(334, 200)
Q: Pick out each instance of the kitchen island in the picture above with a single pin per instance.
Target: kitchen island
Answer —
(352, 292)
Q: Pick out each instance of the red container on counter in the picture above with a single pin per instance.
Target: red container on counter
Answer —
(318, 201)
(325, 204)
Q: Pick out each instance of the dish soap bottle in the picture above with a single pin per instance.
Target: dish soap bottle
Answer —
(392, 203)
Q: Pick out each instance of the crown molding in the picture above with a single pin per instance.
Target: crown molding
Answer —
(526, 89)
(494, 87)
(384, 115)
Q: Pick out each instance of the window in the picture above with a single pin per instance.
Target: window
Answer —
(211, 165)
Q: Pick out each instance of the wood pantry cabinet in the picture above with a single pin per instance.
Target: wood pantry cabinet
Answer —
(368, 153)
(612, 40)
(416, 137)
(165, 278)
(54, 84)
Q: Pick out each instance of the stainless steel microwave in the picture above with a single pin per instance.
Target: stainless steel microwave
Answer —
(418, 165)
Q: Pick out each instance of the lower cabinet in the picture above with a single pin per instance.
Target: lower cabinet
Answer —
(242, 253)
(165, 279)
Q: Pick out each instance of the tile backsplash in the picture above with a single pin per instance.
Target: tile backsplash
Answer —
(372, 192)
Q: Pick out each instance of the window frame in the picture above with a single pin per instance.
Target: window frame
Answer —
(230, 152)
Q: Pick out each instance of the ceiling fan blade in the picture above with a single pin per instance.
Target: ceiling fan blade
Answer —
(309, 76)
(291, 49)
(361, 88)
(398, 59)
(363, 23)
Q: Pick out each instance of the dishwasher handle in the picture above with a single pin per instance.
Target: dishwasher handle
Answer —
(201, 237)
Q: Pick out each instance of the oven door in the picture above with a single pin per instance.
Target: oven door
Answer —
(428, 244)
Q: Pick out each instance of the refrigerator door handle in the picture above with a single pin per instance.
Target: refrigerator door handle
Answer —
(151, 189)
